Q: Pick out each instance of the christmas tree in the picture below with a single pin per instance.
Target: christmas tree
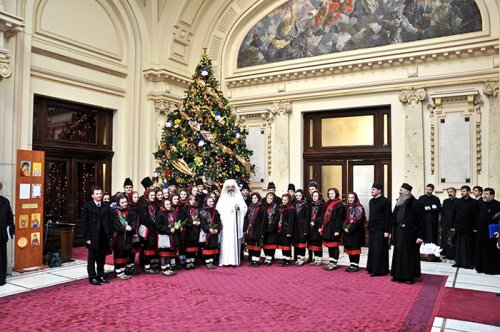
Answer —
(201, 138)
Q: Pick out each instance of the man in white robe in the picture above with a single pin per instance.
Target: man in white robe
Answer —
(232, 209)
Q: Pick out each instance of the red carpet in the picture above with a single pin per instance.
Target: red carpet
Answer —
(244, 298)
(469, 305)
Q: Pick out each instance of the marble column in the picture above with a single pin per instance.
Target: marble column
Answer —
(10, 26)
(491, 90)
(280, 151)
(414, 138)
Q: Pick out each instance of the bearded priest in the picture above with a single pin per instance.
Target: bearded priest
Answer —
(232, 209)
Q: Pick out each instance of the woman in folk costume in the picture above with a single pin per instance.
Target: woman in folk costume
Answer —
(211, 226)
(331, 228)
(123, 224)
(285, 228)
(354, 231)
(178, 207)
(315, 221)
(271, 219)
(255, 222)
(183, 197)
(299, 235)
(133, 199)
(192, 231)
(159, 198)
(168, 237)
(148, 231)
(232, 209)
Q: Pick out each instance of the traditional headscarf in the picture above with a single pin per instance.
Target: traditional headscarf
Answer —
(354, 211)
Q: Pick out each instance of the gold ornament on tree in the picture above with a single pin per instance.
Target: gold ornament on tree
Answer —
(183, 167)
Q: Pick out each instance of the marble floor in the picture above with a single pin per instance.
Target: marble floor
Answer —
(457, 278)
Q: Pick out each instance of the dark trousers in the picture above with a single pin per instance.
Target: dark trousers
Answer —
(334, 253)
(3, 262)
(96, 257)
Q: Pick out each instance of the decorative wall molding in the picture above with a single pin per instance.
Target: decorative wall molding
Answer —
(10, 25)
(356, 65)
(479, 154)
(472, 96)
(76, 81)
(163, 103)
(412, 95)
(281, 107)
(490, 89)
(262, 118)
(469, 105)
(156, 75)
(433, 145)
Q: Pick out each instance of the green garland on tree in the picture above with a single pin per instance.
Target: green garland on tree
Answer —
(201, 138)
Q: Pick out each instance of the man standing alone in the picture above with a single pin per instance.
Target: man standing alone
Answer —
(432, 207)
(408, 233)
(487, 255)
(447, 217)
(6, 220)
(379, 225)
(97, 235)
(464, 222)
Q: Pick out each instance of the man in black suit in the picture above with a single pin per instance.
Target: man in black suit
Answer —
(379, 225)
(97, 234)
(432, 207)
(6, 220)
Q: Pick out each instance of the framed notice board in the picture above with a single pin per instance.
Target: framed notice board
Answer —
(29, 210)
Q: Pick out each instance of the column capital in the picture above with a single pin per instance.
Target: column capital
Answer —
(281, 107)
(409, 95)
(490, 89)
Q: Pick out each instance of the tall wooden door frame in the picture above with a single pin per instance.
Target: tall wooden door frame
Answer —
(378, 154)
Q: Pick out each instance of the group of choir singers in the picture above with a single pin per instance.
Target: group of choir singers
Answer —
(172, 228)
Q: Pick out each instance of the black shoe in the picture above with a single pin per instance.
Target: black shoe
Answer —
(103, 280)
(94, 281)
(455, 265)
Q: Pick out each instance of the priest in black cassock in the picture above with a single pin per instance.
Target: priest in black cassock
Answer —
(447, 217)
(408, 224)
(379, 226)
(465, 220)
(432, 207)
(487, 254)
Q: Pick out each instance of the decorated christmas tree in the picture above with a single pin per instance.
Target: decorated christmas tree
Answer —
(201, 138)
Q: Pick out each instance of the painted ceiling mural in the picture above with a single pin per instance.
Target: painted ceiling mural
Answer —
(305, 28)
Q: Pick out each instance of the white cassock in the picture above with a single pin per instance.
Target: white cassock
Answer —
(232, 223)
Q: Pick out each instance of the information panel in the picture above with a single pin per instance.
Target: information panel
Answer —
(29, 210)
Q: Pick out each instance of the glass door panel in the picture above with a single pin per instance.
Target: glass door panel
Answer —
(331, 176)
(362, 179)
(86, 177)
(56, 189)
